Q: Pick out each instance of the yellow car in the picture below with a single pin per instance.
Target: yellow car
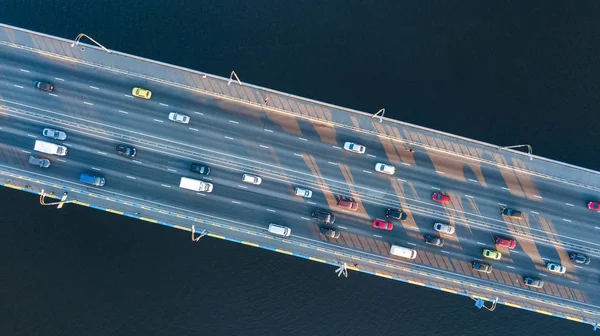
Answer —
(141, 93)
(492, 254)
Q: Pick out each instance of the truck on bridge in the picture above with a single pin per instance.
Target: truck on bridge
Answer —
(195, 185)
(50, 148)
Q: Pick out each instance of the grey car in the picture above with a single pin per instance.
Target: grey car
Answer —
(54, 134)
(323, 216)
(44, 163)
(580, 258)
(435, 241)
(331, 233)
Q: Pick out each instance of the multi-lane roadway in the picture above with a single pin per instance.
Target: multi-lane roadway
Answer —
(96, 109)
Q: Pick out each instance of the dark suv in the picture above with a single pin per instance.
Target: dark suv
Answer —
(44, 86)
(323, 216)
(126, 151)
(396, 214)
(579, 258)
(200, 169)
(433, 240)
(331, 233)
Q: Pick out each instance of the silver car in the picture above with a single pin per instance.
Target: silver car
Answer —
(40, 162)
(179, 118)
(444, 228)
(54, 134)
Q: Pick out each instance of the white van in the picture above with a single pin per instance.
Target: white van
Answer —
(403, 252)
(279, 230)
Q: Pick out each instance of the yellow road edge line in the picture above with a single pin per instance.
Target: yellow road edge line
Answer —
(576, 319)
(81, 203)
(383, 275)
(448, 290)
(543, 312)
(512, 305)
(284, 251)
(12, 186)
(317, 259)
(416, 283)
(182, 228)
(114, 211)
(216, 236)
(249, 243)
(149, 219)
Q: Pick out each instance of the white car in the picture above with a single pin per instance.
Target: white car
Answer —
(444, 228)
(252, 179)
(386, 169)
(556, 268)
(179, 118)
(303, 192)
(356, 148)
(54, 134)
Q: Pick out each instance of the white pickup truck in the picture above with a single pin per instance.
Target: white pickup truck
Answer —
(195, 185)
(50, 148)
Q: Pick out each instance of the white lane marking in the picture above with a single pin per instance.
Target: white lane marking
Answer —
(309, 202)
(130, 177)
(59, 79)
(305, 218)
(401, 180)
(19, 86)
(595, 227)
(510, 267)
(271, 210)
(98, 169)
(472, 180)
(125, 112)
(201, 194)
(25, 70)
(61, 160)
(263, 146)
(577, 266)
(31, 136)
(478, 259)
(505, 188)
(445, 252)
(533, 212)
(480, 243)
(537, 196)
(236, 202)
(194, 129)
(172, 170)
(163, 104)
(502, 204)
(333, 163)
(368, 172)
(267, 130)
(166, 186)
(406, 164)
(566, 220)
(302, 139)
(102, 153)
(229, 138)
(129, 96)
(439, 172)
(337, 147)
(435, 188)
(342, 227)
(158, 120)
(542, 274)
(67, 144)
(378, 236)
(575, 282)
(24, 151)
(208, 178)
(136, 161)
(233, 122)
(300, 155)
(569, 204)
(200, 113)
(93, 87)
(88, 103)
(469, 196)
(413, 244)
(371, 155)
(517, 252)
(242, 186)
(53, 94)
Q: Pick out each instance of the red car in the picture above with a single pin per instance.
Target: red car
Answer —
(505, 242)
(384, 225)
(440, 198)
(594, 206)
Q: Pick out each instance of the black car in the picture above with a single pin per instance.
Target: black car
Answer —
(331, 233)
(531, 282)
(396, 214)
(481, 267)
(126, 150)
(200, 169)
(579, 258)
(44, 86)
(511, 213)
(323, 216)
(435, 241)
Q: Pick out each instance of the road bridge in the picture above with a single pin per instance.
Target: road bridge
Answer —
(237, 128)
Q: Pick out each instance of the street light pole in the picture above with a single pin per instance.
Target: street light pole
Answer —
(76, 42)
(529, 149)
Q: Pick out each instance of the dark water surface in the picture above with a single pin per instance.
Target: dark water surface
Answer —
(505, 73)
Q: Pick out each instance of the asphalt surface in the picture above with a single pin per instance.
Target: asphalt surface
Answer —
(234, 139)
